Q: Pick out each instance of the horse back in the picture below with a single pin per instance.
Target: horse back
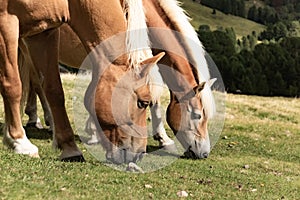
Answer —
(36, 16)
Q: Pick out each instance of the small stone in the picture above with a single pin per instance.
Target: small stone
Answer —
(148, 186)
(182, 194)
(246, 167)
(225, 137)
(132, 167)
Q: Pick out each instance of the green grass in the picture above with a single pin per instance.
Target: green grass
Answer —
(203, 15)
(263, 133)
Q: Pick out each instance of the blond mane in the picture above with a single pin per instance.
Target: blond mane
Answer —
(193, 47)
(138, 44)
(137, 40)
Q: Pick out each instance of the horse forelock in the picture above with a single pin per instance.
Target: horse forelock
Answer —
(193, 47)
(138, 44)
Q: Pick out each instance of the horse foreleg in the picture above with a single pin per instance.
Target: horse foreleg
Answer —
(159, 132)
(11, 88)
(44, 53)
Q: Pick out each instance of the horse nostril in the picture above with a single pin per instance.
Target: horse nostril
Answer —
(205, 155)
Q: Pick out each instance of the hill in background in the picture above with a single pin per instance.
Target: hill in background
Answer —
(203, 15)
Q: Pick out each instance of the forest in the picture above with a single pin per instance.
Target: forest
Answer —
(265, 63)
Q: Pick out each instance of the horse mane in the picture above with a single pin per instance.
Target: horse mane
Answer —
(193, 47)
(138, 44)
(137, 40)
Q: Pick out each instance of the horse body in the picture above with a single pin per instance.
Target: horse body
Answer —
(37, 16)
(191, 102)
(38, 30)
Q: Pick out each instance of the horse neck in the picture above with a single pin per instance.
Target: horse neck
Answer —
(175, 58)
(96, 21)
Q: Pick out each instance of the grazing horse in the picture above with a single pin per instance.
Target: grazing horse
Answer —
(192, 103)
(187, 76)
(35, 23)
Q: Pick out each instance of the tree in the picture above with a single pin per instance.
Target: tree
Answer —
(253, 13)
(279, 31)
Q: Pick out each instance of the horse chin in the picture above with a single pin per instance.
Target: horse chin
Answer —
(195, 149)
(121, 156)
(195, 154)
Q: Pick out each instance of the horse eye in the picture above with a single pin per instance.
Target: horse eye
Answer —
(142, 104)
(196, 116)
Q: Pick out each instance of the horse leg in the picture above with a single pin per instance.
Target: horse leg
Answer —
(35, 90)
(31, 110)
(43, 49)
(38, 89)
(47, 112)
(159, 132)
(91, 129)
(11, 88)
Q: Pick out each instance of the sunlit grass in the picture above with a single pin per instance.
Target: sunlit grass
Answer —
(256, 157)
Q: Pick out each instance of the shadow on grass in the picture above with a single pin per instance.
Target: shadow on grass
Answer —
(34, 133)
(156, 150)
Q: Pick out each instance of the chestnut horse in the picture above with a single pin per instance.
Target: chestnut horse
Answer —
(192, 103)
(35, 23)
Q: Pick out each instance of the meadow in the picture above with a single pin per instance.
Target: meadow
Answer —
(202, 15)
(257, 156)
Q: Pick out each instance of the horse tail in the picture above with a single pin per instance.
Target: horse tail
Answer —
(138, 44)
(193, 47)
(24, 71)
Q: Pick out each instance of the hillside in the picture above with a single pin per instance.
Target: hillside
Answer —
(203, 15)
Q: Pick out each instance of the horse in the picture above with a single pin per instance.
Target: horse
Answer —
(191, 101)
(35, 23)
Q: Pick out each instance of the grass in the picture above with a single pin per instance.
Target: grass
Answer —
(203, 15)
(256, 157)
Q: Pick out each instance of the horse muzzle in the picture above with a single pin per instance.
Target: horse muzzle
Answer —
(189, 153)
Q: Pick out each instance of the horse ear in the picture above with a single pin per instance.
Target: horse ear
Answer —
(199, 88)
(211, 81)
(150, 62)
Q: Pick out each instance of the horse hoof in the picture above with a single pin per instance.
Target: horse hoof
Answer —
(156, 137)
(35, 125)
(92, 142)
(79, 158)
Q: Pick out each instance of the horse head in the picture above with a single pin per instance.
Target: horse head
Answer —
(121, 99)
(188, 116)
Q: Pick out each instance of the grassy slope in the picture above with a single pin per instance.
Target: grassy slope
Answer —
(202, 15)
(263, 133)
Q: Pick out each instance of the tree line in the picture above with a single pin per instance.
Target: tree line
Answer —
(268, 69)
(272, 12)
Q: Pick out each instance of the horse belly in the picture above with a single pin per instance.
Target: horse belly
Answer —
(36, 16)
(71, 50)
